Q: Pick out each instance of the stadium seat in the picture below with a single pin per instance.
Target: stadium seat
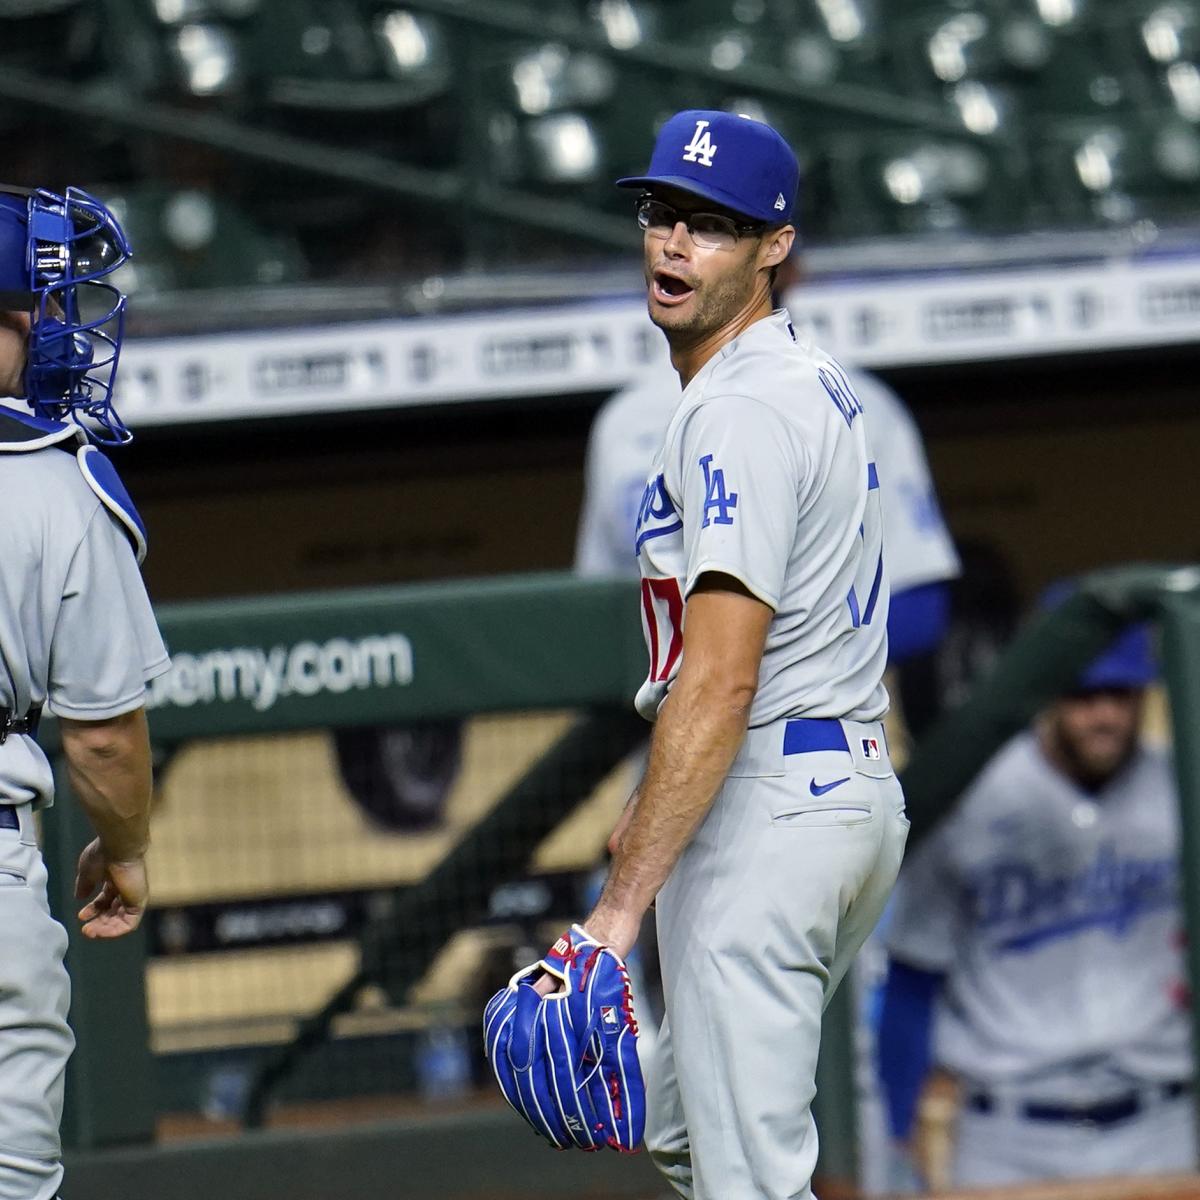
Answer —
(563, 148)
(185, 12)
(550, 77)
(1169, 31)
(54, 37)
(340, 56)
(912, 184)
(1057, 14)
(1006, 68)
(1165, 37)
(543, 123)
(191, 239)
(972, 43)
(207, 58)
(626, 23)
(1083, 76)
(1118, 171)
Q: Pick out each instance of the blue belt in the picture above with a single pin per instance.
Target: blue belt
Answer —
(8, 817)
(1107, 1112)
(807, 735)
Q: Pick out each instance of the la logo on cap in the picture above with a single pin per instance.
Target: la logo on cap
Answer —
(701, 148)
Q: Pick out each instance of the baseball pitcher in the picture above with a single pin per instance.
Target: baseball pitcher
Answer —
(769, 826)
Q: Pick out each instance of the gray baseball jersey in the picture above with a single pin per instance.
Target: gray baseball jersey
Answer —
(764, 475)
(76, 633)
(629, 429)
(76, 628)
(1055, 917)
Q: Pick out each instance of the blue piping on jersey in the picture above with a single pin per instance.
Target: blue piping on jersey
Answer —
(873, 599)
(661, 531)
(872, 477)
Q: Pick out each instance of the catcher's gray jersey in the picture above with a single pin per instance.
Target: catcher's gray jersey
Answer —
(76, 627)
(764, 475)
(1055, 917)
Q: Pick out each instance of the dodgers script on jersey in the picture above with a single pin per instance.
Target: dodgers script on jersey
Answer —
(764, 475)
(1055, 916)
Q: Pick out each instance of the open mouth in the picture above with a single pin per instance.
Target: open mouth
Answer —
(669, 289)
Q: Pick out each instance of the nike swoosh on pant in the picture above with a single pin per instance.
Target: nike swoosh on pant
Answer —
(819, 789)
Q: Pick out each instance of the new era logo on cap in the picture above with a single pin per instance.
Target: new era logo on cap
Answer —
(736, 162)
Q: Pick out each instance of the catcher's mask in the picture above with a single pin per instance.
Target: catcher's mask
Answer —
(54, 250)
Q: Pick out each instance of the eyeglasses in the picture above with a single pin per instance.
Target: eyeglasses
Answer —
(710, 230)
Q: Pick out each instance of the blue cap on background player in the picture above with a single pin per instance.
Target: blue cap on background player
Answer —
(1128, 663)
(737, 162)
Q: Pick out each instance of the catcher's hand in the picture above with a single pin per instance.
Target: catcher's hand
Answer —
(568, 1062)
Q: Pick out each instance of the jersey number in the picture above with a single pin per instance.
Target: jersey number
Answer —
(864, 591)
(662, 611)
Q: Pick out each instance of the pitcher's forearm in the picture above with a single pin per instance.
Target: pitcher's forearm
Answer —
(109, 767)
(697, 735)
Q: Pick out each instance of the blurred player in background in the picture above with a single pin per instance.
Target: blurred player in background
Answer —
(1042, 923)
(76, 631)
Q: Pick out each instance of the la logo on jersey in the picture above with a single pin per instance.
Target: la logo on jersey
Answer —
(701, 148)
(715, 496)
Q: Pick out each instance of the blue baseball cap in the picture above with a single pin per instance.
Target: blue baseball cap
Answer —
(737, 162)
(1128, 663)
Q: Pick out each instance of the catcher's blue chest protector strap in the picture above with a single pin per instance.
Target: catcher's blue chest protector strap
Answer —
(103, 479)
(22, 433)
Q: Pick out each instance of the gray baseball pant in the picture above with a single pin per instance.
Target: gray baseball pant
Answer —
(757, 925)
(35, 1040)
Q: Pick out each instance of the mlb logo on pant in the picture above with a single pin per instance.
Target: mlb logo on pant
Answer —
(870, 747)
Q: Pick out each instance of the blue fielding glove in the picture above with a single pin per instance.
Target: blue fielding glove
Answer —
(568, 1062)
